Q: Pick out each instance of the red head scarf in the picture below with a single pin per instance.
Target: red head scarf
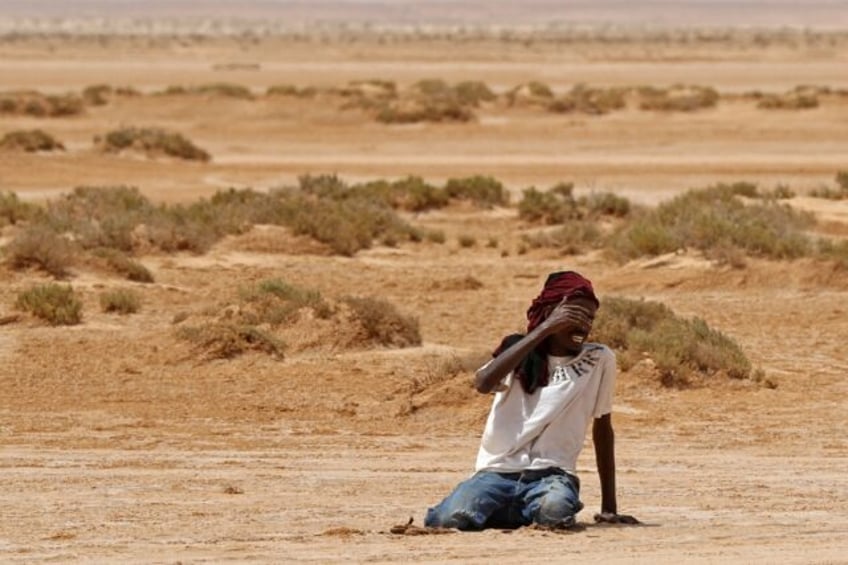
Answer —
(559, 285)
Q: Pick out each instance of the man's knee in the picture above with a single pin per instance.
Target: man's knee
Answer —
(559, 505)
(557, 511)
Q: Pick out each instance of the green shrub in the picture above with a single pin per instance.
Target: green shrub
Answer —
(716, 218)
(411, 193)
(681, 348)
(30, 141)
(382, 322)
(152, 142)
(605, 204)
(39, 247)
(56, 304)
(553, 206)
(120, 301)
(481, 190)
(100, 216)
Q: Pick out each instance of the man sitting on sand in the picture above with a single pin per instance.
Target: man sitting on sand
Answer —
(549, 384)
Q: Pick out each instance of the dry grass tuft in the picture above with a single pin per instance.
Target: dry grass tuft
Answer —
(120, 301)
(227, 339)
(383, 323)
(56, 304)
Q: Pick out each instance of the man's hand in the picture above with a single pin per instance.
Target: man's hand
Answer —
(569, 316)
(612, 518)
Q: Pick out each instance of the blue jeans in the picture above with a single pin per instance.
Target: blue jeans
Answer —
(548, 497)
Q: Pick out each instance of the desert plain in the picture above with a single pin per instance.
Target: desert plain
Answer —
(121, 442)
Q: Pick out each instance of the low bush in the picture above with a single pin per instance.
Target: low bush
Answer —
(680, 348)
(275, 301)
(588, 100)
(292, 90)
(97, 94)
(411, 193)
(30, 141)
(222, 89)
(789, 101)
(415, 111)
(717, 218)
(678, 98)
(120, 301)
(152, 142)
(553, 206)
(383, 323)
(36, 104)
(481, 190)
(473, 93)
(39, 247)
(56, 304)
(605, 204)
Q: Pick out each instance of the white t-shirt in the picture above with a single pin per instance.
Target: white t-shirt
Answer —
(547, 428)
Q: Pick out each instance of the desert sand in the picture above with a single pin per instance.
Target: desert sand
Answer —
(119, 444)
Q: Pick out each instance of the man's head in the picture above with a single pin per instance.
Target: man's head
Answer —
(576, 290)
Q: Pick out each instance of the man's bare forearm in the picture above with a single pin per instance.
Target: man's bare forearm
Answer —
(493, 372)
(603, 438)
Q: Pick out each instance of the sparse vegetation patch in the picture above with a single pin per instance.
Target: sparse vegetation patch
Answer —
(152, 142)
(36, 104)
(681, 349)
(717, 218)
(56, 304)
(120, 301)
(30, 141)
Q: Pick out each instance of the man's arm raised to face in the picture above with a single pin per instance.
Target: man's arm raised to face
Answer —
(561, 318)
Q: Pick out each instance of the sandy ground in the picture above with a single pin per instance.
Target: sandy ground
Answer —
(118, 444)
